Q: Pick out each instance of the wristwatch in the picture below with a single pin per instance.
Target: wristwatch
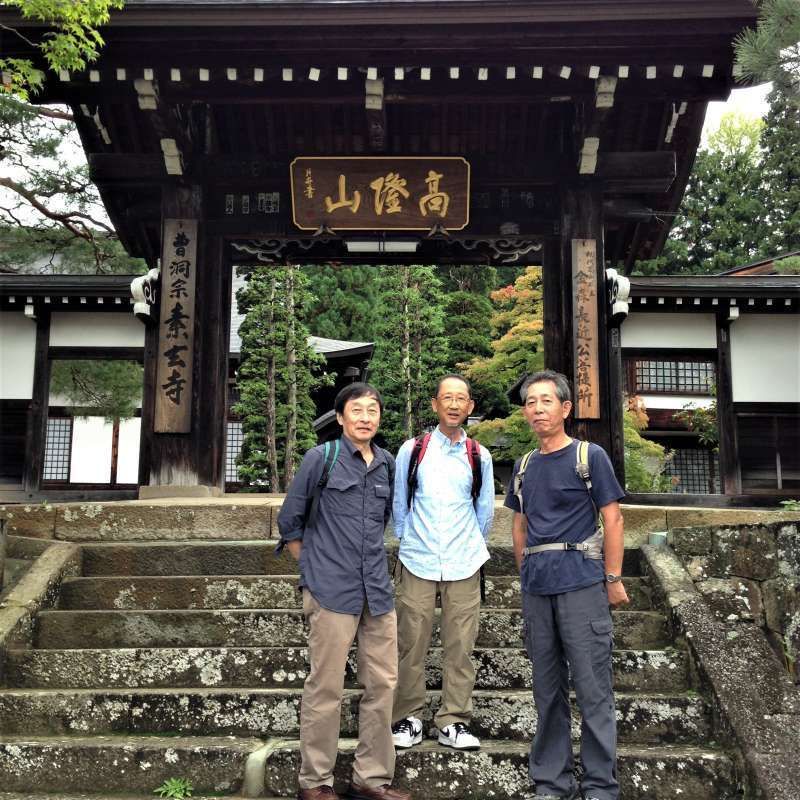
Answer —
(612, 578)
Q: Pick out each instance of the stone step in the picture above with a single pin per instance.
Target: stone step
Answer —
(245, 558)
(250, 591)
(14, 569)
(246, 667)
(214, 765)
(104, 796)
(102, 629)
(662, 718)
(499, 770)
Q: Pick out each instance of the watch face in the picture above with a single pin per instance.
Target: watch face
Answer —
(611, 578)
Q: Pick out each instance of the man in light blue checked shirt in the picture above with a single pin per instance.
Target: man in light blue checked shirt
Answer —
(443, 532)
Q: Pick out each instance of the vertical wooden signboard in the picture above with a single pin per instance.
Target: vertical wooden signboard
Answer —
(173, 412)
(584, 333)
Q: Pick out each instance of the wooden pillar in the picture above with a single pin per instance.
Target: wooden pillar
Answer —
(36, 433)
(730, 480)
(582, 219)
(189, 461)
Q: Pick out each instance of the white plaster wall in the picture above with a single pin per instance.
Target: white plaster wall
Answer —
(765, 358)
(642, 329)
(91, 450)
(17, 351)
(128, 450)
(675, 401)
(88, 329)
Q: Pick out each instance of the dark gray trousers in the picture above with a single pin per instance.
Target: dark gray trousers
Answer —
(571, 634)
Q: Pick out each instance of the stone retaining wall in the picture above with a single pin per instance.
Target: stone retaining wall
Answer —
(749, 574)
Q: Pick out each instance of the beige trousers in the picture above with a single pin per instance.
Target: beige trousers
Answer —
(330, 637)
(461, 604)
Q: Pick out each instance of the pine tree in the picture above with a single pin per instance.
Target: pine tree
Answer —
(410, 351)
(278, 372)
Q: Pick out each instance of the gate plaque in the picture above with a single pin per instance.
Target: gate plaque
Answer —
(584, 332)
(380, 193)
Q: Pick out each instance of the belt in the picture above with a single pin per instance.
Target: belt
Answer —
(591, 547)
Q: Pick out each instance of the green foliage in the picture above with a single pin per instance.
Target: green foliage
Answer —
(790, 505)
(518, 346)
(788, 266)
(771, 50)
(344, 301)
(277, 374)
(177, 788)
(507, 438)
(71, 42)
(110, 389)
(410, 349)
(644, 460)
(722, 221)
(702, 421)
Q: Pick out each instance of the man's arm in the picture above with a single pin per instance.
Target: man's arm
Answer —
(484, 508)
(519, 536)
(292, 516)
(400, 500)
(614, 547)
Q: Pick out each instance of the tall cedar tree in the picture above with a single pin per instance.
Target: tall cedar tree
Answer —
(344, 301)
(722, 221)
(278, 372)
(410, 350)
(468, 312)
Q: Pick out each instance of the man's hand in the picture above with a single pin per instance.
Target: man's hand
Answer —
(294, 547)
(617, 596)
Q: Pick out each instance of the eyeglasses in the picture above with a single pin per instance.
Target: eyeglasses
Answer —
(457, 400)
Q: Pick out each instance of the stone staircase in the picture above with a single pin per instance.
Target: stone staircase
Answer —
(186, 659)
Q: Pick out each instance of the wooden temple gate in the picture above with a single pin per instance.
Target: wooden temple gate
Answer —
(231, 133)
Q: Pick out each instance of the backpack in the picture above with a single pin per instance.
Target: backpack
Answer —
(418, 453)
(330, 455)
(581, 468)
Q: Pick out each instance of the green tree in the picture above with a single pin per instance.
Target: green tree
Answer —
(517, 348)
(781, 171)
(507, 438)
(277, 374)
(410, 350)
(645, 460)
(344, 301)
(771, 50)
(722, 221)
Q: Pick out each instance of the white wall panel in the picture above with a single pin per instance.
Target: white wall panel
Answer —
(642, 329)
(128, 450)
(90, 329)
(91, 450)
(765, 358)
(17, 351)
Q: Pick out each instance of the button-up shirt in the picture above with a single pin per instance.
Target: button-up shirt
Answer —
(443, 536)
(343, 558)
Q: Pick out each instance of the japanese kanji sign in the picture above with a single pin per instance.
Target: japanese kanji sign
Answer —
(380, 193)
(584, 332)
(176, 327)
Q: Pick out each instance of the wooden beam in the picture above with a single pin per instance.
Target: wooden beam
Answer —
(36, 434)
(730, 480)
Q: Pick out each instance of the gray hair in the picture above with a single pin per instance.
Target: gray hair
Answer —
(563, 391)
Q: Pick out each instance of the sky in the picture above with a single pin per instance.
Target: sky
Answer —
(751, 102)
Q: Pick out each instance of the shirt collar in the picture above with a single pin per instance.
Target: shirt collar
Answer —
(442, 439)
(352, 450)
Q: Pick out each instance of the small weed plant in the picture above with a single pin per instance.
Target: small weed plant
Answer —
(790, 505)
(176, 788)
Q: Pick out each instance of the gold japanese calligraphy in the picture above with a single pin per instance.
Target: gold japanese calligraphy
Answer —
(173, 412)
(584, 331)
(407, 193)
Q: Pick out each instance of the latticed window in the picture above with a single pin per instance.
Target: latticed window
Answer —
(694, 471)
(672, 376)
(57, 449)
(235, 439)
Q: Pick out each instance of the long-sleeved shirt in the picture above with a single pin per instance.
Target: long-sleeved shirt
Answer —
(443, 536)
(343, 558)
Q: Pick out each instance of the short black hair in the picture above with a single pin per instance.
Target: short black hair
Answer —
(455, 376)
(352, 392)
(563, 391)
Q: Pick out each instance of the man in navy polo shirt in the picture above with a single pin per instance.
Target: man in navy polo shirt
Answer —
(568, 585)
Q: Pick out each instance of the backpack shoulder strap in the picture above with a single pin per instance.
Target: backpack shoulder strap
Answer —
(474, 458)
(585, 474)
(330, 455)
(523, 465)
(417, 454)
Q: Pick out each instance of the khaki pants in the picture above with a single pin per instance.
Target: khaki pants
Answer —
(461, 605)
(329, 640)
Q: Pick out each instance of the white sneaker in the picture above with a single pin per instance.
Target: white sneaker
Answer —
(407, 732)
(458, 736)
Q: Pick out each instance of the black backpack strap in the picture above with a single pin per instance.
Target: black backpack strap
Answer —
(474, 457)
(417, 454)
(329, 458)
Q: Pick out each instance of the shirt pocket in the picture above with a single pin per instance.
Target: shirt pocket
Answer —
(343, 496)
(377, 503)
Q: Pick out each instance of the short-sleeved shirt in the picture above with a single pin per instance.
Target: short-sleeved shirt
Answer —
(558, 508)
(343, 559)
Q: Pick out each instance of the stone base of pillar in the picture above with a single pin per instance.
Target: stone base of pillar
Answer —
(173, 490)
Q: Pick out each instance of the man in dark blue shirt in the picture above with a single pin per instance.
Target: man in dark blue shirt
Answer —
(346, 595)
(566, 594)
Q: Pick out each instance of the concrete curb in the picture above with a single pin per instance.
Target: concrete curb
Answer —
(755, 702)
